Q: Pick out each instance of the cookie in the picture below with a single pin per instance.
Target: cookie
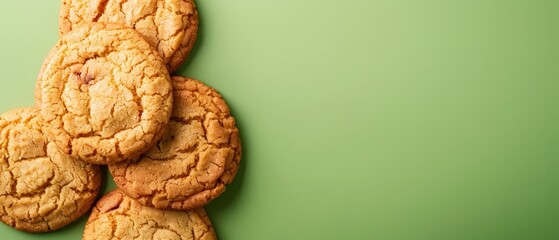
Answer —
(169, 25)
(105, 94)
(117, 216)
(41, 188)
(196, 158)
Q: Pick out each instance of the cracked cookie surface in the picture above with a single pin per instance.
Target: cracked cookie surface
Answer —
(41, 189)
(195, 159)
(105, 94)
(169, 25)
(117, 216)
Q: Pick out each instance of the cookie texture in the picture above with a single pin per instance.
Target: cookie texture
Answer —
(41, 189)
(196, 158)
(105, 94)
(169, 25)
(117, 216)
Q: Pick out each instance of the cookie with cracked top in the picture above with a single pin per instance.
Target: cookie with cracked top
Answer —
(169, 25)
(195, 159)
(41, 188)
(105, 94)
(117, 216)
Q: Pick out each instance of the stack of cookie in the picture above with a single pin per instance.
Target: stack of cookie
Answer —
(105, 97)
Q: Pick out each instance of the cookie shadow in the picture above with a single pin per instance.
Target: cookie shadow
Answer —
(108, 183)
(76, 226)
(195, 49)
(230, 197)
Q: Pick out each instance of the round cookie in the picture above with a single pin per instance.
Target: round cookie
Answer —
(42, 189)
(195, 159)
(169, 25)
(105, 94)
(117, 216)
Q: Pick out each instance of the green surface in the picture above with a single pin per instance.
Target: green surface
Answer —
(364, 119)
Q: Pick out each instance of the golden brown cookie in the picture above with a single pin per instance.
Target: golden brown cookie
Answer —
(169, 25)
(117, 216)
(196, 158)
(105, 94)
(41, 188)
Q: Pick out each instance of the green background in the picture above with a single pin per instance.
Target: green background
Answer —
(364, 119)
